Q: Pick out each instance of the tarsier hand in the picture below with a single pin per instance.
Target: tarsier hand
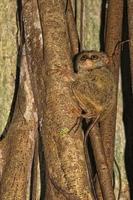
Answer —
(94, 86)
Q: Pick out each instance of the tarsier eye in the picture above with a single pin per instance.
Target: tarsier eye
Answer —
(84, 57)
(94, 57)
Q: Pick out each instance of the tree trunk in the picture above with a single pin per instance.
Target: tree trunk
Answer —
(67, 178)
(18, 144)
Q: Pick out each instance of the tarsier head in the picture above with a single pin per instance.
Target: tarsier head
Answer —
(94, 86)
(88, 60)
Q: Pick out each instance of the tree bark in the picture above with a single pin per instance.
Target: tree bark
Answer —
(104, 175)
(18, 145)
(113, 36)
(67, 177)
(34, 51)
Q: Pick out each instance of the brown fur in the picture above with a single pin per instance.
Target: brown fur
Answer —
(94, 88)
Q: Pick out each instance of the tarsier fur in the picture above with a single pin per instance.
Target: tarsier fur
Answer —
(94, 88)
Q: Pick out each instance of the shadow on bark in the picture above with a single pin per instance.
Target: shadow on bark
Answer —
(102, 28)
(127, 102)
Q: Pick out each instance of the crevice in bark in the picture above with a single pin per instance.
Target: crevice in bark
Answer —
(126, 58)
(103, 24)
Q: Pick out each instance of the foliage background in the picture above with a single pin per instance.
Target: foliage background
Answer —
(8, 58)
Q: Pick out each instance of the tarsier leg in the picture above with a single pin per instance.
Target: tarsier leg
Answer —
(79, 120)
(76, 125)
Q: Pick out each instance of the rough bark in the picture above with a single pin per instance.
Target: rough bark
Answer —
(67, 177)
(113, 36)
(18, 145)
(34, 52)
(104, 175)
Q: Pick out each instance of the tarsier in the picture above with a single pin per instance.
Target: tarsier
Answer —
(94, 89)
(94, 86)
